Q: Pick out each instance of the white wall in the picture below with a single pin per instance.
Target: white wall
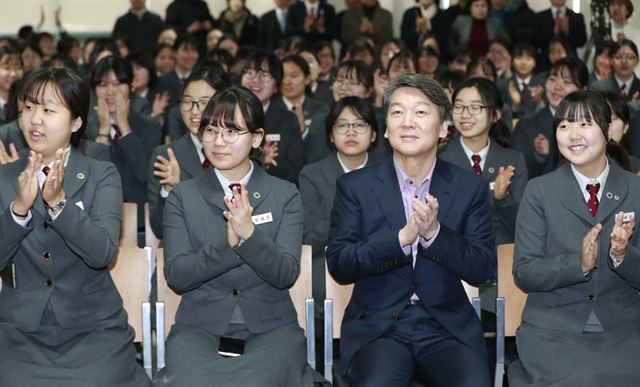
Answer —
(98, 16)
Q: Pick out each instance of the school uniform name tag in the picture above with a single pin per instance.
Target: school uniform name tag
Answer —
(628, 217)
(274, 137)
(262, 218)
(492, 185)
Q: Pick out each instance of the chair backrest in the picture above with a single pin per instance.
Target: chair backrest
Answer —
(165, 294)
(129, 225)
(150, 238)
(340, 294)
(514, 298)
(302, 289)
(131, 273)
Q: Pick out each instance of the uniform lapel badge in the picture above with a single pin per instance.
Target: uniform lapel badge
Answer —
(609, 195)
(262, 218)
(256, 195)
(80, 176)
(491, 169)
(273, 137)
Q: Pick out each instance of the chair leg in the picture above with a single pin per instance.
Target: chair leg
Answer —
(146, 338)
(500, 332)
(311, 334)
(160, 333)
(328, 339)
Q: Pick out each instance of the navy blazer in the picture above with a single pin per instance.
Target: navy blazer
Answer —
(269, 31)
(364, 249)
(408, 28)
(297, 15)
(545, 23)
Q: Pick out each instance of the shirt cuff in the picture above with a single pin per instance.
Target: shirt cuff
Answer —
(22, 222)
(616, 263)
(163, 193)
(52, 213)
(427, 242)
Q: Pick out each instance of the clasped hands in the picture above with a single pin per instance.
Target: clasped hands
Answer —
(28, 184)
(238, 215)
(423, 223)
(620, 236)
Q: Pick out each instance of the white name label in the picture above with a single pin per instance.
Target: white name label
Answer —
(628, 217)
(262, 218)
(274, 137)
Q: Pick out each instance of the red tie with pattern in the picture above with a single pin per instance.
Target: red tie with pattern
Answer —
(623, 90)
(45, 170)
(205, 162)
(476, 164)
(593, 203)
(117, 135)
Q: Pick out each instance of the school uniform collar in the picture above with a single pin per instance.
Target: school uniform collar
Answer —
(554, 11)
(347, 170)
(583, 181)
(521, 81)
(265, 106)
(627, 84)
(289, 104)
(224, 182)
(483, 152)
(198, 145)
(211, 188)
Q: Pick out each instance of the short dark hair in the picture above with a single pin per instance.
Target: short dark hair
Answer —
(144, 60)
(121, 68)
(102, 44)
(69, 86)
(486, 64)
(298, 61)
(186, 40)
(274, 65)
(221, 110)
(213, 74)
(568, 48)
(359, 107)
(523, 48)
(66, 44)
(405, 56)
(363, 72)
(577, 70)
(617, 45)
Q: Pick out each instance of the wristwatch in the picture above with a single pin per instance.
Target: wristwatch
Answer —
(59, 206)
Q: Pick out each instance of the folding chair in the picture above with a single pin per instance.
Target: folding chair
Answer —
(338, 297)
(509, 306)
(129, 225)
(131, 273)
(300, 292)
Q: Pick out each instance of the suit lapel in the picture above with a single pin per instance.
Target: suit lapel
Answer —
(258, 186)
(188, 157)
(75, 173)
(388, 194)
(570, 195)
(493, 163)
(211, 189)
(441, 187)
(614, 192)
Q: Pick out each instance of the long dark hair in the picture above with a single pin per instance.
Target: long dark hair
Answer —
(591, 106)
(492, 101)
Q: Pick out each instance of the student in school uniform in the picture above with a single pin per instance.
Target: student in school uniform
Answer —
(351, 130)
(296, 77)
(130, 136)
(183, 159)
(620, 123)
(61, 317)
(232, 245)
(282, 152)
(533, 135)
(578, 258)
(352, 78)
(482, 146)
(623, 80)
(523, 90)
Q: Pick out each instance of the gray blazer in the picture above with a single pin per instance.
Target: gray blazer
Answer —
(552, 222)
(461, 30)
(211, 276)
(62, 264)
(190, 167)
(505, 210)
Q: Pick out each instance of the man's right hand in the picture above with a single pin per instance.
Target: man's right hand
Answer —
(409, 233)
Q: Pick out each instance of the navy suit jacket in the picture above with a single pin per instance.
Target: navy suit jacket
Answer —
(364, 249)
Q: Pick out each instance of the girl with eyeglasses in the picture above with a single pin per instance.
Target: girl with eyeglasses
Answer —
(183, 159)
(233, 239)
(482, 147)
(351, 131)
(352, 78)
(624, 60)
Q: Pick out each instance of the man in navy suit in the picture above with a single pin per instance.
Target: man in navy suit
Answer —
(406, 231)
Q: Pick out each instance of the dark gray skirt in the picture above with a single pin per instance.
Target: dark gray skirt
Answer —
(99, 355)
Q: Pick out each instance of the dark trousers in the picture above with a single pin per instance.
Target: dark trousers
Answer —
(418, 347)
